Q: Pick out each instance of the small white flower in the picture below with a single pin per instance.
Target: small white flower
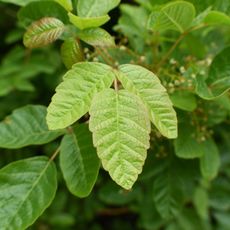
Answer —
(95, 59)
(86, 50)
(172, 61)
(193, 75)
(122, 48)
(182, 69)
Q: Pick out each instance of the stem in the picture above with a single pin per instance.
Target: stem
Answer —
(107, 54)
(115, 84)
(102, 54)
(167, 55)
(55, 154)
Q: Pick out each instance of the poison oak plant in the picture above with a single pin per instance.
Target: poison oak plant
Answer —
(165, 77)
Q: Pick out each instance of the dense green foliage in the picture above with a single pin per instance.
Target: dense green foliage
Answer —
(115, 114)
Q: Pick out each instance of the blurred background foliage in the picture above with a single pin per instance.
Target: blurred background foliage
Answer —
(186, 201)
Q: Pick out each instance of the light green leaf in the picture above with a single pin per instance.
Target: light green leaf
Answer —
(73, 96)
(67, 4)
(184, 100)
(147, 86)
(218, 79)
(27, 187)
(85, 23)
(43, 32)
(71, 52)
(121, 127)
(79, 162)
(95, 8)
(168, 193)
(96, 37)
(210, 161)
(36, 10)
(26, 126)
(216, 18)
(177, 15)
(188, 145)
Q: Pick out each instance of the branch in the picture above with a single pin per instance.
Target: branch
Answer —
(167, 55)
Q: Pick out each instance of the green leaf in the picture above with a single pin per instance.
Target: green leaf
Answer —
(147, 86)
(223, 220)
(201, 202)
(216, 18)
(189, 220)
(16, 73)
(112, 194)
(71, 52)
(199, 19)
(26, 126)
(184, 100)
(150, 218)
(96, 37)
(168, 193)
(196, 47)
(188, 145)
(177, 15)
(210, 161)
(19, 2)
(132, 24)
(218, 79)
(43, 32)
(40, 9)
(79, 162)
(73, 96)
(95, 8)
(67, 4)
(219, 194)
(27, 187)
(121, 127)
(85, 23)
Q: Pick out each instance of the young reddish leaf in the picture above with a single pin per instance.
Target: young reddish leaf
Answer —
(43, 32)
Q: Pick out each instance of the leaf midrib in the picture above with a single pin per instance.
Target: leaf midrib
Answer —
(81, 159)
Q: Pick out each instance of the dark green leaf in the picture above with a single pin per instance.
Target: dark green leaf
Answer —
(210, 161)
(112, 194)
(188, 145)
(184, 100)
(79, 162)
(218, 79)
(26, 126)
(168, 192)
(96, 37)
(71, 52)
(40, 9)
(27, 187)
